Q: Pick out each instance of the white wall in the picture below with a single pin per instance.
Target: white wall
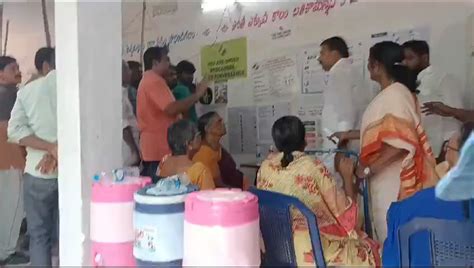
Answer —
(448, 21)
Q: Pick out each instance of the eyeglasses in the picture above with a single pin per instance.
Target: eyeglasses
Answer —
(446, 146)
(452, 148)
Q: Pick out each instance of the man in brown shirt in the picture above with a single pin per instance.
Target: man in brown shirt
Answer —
(12, 163)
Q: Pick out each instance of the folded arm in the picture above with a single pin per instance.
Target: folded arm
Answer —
(388, 154)
(20, 132)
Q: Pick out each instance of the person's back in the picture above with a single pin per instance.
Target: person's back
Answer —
(309, 181)
(37, 100)
(294, 173)
(33, 124)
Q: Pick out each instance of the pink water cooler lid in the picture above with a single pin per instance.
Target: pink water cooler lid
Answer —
(221, 207)
(119, 192)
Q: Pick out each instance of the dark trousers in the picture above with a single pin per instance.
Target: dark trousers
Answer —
(149, 170)
(41, 206)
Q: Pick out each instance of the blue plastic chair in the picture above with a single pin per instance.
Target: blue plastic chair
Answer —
(451, 242)
(276, 228)
(470, 206)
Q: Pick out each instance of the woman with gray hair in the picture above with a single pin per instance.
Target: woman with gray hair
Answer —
(184, 141)
(221, 164)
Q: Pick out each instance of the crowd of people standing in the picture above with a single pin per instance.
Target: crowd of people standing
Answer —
(408, 133)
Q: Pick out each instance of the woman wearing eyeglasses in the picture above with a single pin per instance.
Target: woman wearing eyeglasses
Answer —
(452, 147)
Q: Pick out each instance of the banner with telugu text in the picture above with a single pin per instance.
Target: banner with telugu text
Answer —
(226, 60)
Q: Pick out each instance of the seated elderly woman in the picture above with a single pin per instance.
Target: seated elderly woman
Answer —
(294, 173)
(452, 147)
(214, 156)
(184, 140)
(425, 204)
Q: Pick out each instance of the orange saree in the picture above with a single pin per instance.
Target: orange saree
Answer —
(393, 118)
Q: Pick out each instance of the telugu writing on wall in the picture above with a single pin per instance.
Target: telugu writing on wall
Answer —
(244, 22)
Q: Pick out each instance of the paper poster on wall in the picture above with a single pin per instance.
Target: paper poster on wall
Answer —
(242, 126)
(417, 33)
(402, 36)
(266, 116)
(226, 60)
(275, 79)
(314, 78)
(381, 37)
(281, 33)
(357, 52)
(263, 150)
(220, 92)
(310, 114)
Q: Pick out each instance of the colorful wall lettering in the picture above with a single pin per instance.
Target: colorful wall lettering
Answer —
(255, 21)
(172, 39)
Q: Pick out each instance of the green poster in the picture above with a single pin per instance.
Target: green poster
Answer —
(226, 60)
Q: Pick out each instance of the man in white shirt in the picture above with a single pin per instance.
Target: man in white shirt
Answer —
(435, 86)
(130, 151)
(33, 124)
(340, 111)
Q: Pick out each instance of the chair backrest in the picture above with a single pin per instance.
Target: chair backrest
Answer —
(451, 242)
(470, 207)
(276, 228)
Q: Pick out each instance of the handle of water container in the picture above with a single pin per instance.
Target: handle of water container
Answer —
(97, 260)
(145, 181)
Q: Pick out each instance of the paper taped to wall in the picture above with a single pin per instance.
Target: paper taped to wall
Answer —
(275, 79)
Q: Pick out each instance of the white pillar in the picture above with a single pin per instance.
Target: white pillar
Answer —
(89, 71)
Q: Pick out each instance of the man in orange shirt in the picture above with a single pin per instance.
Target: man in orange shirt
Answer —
(12, 163)
(157, 109)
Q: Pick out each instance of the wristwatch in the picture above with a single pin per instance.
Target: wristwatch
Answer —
(367, 171)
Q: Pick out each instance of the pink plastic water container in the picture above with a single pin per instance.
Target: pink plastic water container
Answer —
(112, 232)
(221, 228)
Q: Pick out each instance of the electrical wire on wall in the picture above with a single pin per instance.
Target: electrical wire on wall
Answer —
(226, 10)
(46, 23)
(146, 18)
(6, 38)
(142, 34)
